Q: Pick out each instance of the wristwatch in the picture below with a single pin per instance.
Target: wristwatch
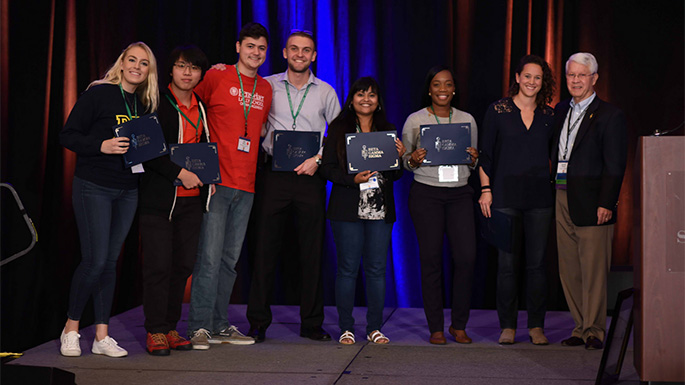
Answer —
(318, 161)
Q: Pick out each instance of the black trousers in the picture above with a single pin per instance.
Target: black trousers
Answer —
(437, 211)
(278, 195)
(169, 252)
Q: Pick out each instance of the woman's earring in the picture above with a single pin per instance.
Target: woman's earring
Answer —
(429, 94)
(454, 93)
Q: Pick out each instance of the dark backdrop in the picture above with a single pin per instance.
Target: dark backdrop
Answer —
(52, 49)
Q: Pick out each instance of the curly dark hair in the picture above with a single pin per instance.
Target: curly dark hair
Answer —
(546, 92)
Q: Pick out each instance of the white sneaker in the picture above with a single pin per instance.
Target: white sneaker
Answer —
(71, 346)
(109, 347)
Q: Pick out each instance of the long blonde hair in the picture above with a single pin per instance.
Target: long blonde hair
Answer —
(148, 90)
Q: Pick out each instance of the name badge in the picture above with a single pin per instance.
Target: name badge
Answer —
(372, 183)
(562, 167)
(561, 181)
(448, 173)
(137, 169)
(244, 144)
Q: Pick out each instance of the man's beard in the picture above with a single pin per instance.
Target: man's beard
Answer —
(293, 69)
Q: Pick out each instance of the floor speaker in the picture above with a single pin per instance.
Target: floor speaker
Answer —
(35, 375)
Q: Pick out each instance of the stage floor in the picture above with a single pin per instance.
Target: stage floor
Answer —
(286, 358)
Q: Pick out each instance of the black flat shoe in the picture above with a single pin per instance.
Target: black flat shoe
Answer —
(572, 341)
(316, 334)
(258, 334)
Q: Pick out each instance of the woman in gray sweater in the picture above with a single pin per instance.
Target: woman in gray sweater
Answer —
(441, 203)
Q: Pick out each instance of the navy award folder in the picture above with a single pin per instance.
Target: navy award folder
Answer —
(146, 140)
(446, 143)
(499, 230)
(200, 158)
(374, 151)
(291, 148)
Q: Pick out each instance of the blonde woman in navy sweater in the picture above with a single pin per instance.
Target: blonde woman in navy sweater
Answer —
(105, 194)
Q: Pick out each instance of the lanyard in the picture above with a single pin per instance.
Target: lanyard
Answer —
(199, 117)
(246, 111)
(135, 104)
(436, 115)
(359, 129)
(290, 102)
(570, 127)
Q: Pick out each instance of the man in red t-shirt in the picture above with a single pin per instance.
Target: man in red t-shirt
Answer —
(238, 102)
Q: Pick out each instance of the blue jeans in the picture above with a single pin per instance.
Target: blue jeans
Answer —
(354, 240)
(535, 224)
(221, 240)
(103, 216)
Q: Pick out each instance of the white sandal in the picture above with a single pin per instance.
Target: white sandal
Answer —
(348, 335)
(376, 336)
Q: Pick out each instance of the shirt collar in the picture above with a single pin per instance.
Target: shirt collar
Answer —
(193, 100)
(583, 104)
(312, 79)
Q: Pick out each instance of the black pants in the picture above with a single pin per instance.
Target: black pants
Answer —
(437, 211)
(169, 252)
(535, 225)
(278, 195)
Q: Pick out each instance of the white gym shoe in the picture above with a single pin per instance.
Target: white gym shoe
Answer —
(71, 346)
(108, 347)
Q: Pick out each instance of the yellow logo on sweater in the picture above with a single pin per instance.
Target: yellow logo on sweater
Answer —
(123, 118)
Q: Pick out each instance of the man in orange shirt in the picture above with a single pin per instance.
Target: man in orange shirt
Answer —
(238, 102)
(170, 217)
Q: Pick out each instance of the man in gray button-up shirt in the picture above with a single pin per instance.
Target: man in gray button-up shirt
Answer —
(301, 102)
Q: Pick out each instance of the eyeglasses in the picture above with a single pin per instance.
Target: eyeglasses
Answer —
(183, 66)
(578, 76)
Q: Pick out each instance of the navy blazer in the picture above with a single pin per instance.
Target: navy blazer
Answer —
(597, 162)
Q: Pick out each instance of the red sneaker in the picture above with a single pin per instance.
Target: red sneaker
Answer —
(177, 342)
(157, 344)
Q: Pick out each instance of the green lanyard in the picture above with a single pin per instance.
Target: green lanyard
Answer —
(199, 117)
(246, 111)
(135, 104)
(436, 115)
(359, 130)
(296, 114)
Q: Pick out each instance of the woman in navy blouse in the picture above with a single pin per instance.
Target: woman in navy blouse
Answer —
(514, 175)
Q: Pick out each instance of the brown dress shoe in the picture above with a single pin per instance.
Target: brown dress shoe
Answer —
(593, 343)
(460, 336)
(437, 338)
